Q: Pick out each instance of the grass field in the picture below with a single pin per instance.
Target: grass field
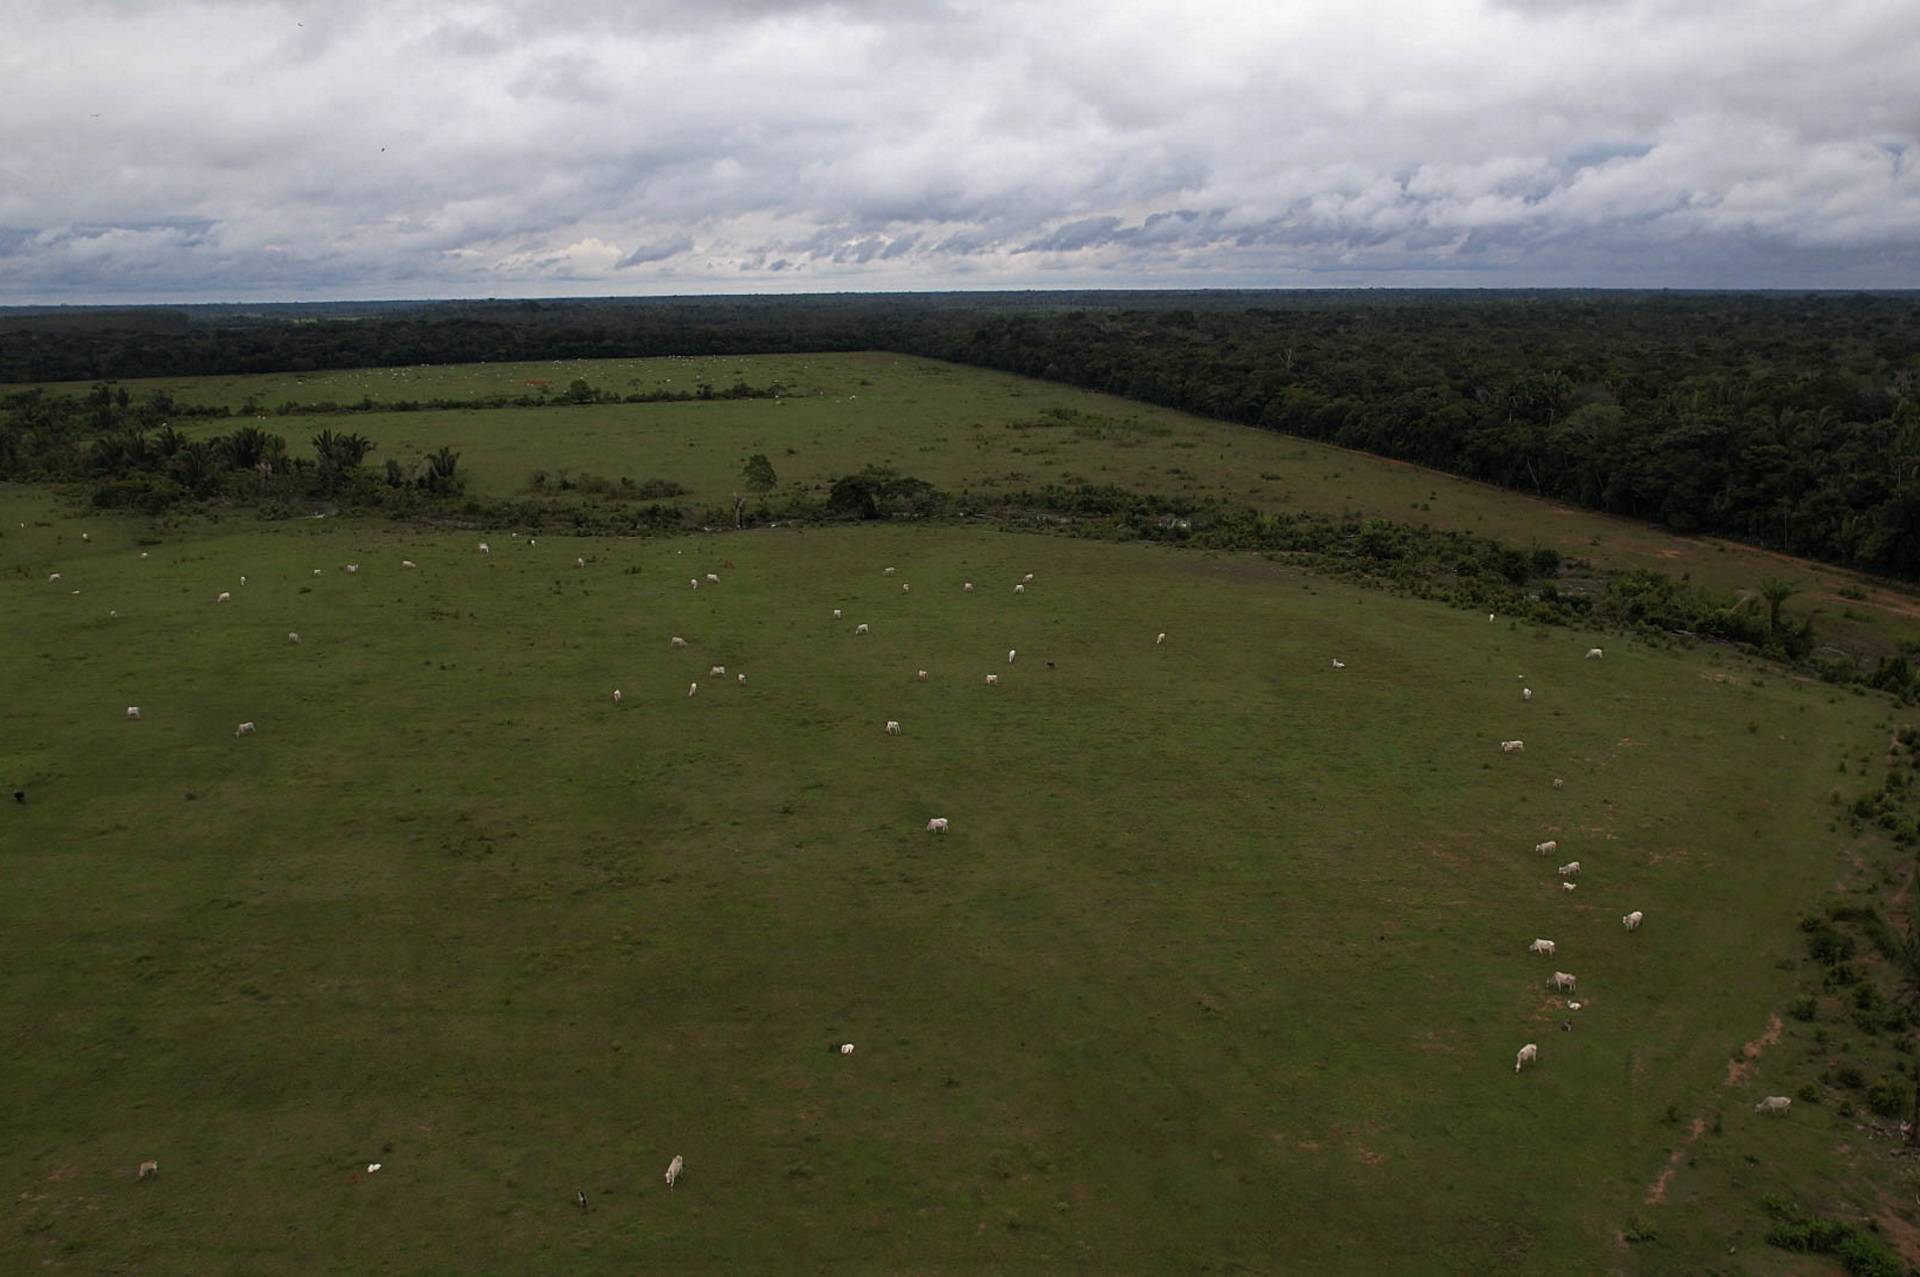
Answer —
(964, 428)
(1222, 966)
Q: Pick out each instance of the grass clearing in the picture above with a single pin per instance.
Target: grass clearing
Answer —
(1224, 958)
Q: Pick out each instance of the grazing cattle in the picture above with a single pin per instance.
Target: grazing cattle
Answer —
(1010, 655)
(1563, 982)
(316, 571)
(718, 671)
(1339, 664)
(905, 588)
(351, 568)
(293, 637)
(861, 629)
(1570, 870)
(694, 582)
(149, 1169)
(742, 678)
(1552, 844)
(846, 1048)
(967, 588)
(1558, 783)
(677, 642)
(921, 676)
(836, 614)
(1528, 1055)
(1567, 886)
(1027, 578)
(408, 563)
(1512, 746)
(85, 537)
(133, 712)
(887, 572)
(1573, 1006)
(485, 548)
(938, 825)
(243, 580)
(245, 729)
(616, 696)
(579, 563)
(1774, 1105)
(1019, 589)
(1526, 693)
(1489, 618)
(53, 576)
(692, 688)
(1545, 947)
(893, 727)
(993, 680)
(1593, 653)
(1159, 638)
(677, 1165)
(143, 554)
(1631, 921)
(713, 579)
(224, 597)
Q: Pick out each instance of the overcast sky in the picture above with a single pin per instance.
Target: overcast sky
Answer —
(157, 150)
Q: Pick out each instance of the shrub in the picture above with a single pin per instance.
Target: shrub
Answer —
(1804, 1007)
(1887, 1098)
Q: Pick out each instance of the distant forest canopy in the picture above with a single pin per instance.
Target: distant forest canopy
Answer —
(1788, 420)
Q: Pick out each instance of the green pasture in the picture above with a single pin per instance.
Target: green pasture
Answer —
(963, 428)
(1222, 965)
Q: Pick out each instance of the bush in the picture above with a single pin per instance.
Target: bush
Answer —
(1804, 1007)
(1858, 1251)
(1887, 1098)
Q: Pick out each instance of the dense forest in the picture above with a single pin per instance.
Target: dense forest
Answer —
(1789, 421)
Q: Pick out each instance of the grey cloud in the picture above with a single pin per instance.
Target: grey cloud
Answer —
(216, 148)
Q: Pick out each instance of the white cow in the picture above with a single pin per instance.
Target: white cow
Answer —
(579, 563)
(713, 579)
(967, 588)
(243, 580)
(1027, 578)
(224, 597)
(1528, 1055)
(143, 554)
(846, 1048)
(993, 680)
(836, 614)
(1512, 746)
(351, 568)
(938, 825)
(85, 537)
(1631, 921)
(1526, 693)
(133, 712)
(616, 696)
(677, 1165)
(1019, 589)
(1489, 618)
(861, 629)
(887, 572)
(1563, 982)
(1339, 664)
(1593, 653)
(1159, 638)
(293, 637)
(53, 576)
(245, 729)
(718, 671)
(1010, 655)
(893, 727)
(1551, 845)
(692, 688)
(1570, 870)
(1775, 1105)
(408, 563)
(1568, 886)
(1544, 947)
(694, 582)
(485, 548)
(316, 571)
(149, 1169)
(1558, 783)
(743, 678)
(921, 676)
(677, 642)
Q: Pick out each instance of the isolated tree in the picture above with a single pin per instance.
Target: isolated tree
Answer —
(1776, 592)
(1906, 962)
(441, 473)
(758, 473)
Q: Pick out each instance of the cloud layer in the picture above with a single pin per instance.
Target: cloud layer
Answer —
(158, 149)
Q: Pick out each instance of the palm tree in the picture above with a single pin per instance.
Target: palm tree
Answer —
(1776, 592)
